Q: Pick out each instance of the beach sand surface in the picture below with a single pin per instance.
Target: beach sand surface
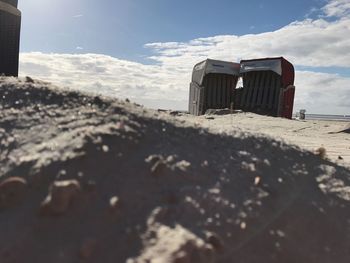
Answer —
(90, 179)
(333, 136)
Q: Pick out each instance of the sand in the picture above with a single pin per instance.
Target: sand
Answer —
(309, 135)
(91, 179)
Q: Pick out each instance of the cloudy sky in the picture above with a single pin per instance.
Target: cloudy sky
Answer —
(145, 49)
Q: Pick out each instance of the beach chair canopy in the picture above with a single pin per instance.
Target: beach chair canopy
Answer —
(213, 66)
(279, 65)
(11, 2)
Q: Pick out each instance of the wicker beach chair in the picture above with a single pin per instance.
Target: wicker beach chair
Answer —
(213, 84)
(268, 87)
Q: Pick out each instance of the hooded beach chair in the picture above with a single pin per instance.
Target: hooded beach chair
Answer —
(268, 87)
(213, 84)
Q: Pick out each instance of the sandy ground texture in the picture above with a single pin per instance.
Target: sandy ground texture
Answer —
(90, 179)
(311, 135)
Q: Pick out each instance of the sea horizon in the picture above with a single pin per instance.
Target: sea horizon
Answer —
(328, 117)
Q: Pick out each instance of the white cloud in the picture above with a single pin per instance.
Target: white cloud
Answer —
(337, 8)
(315, 43)
(109, 76)
(322, 93)
(308, 43)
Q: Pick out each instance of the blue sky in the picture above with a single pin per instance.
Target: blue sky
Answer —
(121, 28)
(145, 49)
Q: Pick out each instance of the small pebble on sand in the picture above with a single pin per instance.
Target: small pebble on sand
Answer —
(105, 148)
(158, 168)
(214, 240)
(61, 195)
(12, 191)
(114, 202)
(322, 152)
(257, 180)
(87, 248)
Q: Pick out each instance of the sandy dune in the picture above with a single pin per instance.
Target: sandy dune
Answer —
(90, 179)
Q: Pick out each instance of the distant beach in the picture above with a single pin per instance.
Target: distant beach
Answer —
(328, 117)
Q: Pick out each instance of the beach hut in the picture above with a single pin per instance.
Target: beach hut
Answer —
(213, 84)
(268, 87)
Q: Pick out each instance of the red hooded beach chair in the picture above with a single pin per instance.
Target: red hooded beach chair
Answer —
(268, 87)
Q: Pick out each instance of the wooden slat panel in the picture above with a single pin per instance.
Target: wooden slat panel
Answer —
(261, 92)
(196, 97)
(272, 92)
(247, 87)
(258, 88)
(229, 90)
(214, 87)
(250, 89)
(200, 95)
(190, 104)
(218, 89)
(245, 91)
(262, 88)
(267, 90)
(277, 94)
(255, 90)
(232, 90)
(205, 96)
(215, 101)
(211, 92)
(224, 91)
